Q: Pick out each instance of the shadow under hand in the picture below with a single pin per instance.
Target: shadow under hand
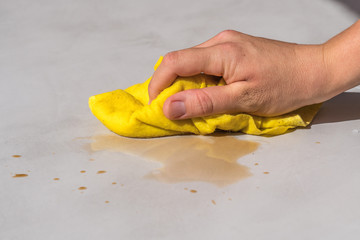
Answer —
(344, 107)
(353, 5)
(210, 159)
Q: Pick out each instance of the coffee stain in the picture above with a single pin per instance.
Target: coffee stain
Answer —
(101, 172)
(82, 188)
(56, 179)
(266, 172)
(82, 171)
(16, 156)
(193, 191)
(213, 202)
(113, 183)
(211, 159)
(20, 175)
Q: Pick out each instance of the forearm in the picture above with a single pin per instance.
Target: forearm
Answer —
(342, 60)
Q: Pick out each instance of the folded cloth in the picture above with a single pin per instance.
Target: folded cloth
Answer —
(127, 113)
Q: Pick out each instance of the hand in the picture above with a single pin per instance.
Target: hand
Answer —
(264, 77)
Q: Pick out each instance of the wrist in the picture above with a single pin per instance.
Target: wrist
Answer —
(342, 60)
(313, 74)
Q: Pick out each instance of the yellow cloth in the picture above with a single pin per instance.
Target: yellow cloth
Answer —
(127, 113)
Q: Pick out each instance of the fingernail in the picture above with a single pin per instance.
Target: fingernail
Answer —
(177, 109)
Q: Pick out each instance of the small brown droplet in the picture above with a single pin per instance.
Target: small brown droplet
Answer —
(193, 191)
(256, 164)
(56, 179)
(83, 171)
(82, 188)
(91, 159)
(229, 199)
(101, 172)
(16, 156)
(213, 202)
(106, 201)
(113, 183)
(266, 172)
(19, 175)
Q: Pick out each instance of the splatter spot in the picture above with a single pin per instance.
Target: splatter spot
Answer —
(213, 202)
(20, 175)
(266, 172)
(16, 156)
(193, 191)
(82, 188)
(101, 172)
(56, 179)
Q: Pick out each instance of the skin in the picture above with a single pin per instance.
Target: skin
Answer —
(264, 77)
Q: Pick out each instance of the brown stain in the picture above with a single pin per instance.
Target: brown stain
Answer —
(256, 164)
(266, 172)
(190, 158)
(91, 159)
(101, 172)
(213, 202)
(193, 191)
(82, 188)
(113, 183)
(106, 201)
(20, 175)
(56, 179)
(82, 171)
(16, 156)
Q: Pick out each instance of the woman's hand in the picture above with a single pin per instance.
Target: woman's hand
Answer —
(264, 77)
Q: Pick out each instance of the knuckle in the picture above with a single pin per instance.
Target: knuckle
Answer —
(203, 102)
(227, 34)
(171, 58)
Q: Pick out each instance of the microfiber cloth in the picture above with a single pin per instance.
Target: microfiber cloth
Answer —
(127, 113)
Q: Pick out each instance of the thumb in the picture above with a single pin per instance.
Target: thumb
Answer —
(202, 102)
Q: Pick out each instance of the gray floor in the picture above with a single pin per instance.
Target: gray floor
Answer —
(56, 54)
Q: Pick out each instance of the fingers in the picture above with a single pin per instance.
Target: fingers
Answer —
(204, 102)
(186, 62)
(203, 58)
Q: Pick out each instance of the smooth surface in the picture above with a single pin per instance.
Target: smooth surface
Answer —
(55, 54)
